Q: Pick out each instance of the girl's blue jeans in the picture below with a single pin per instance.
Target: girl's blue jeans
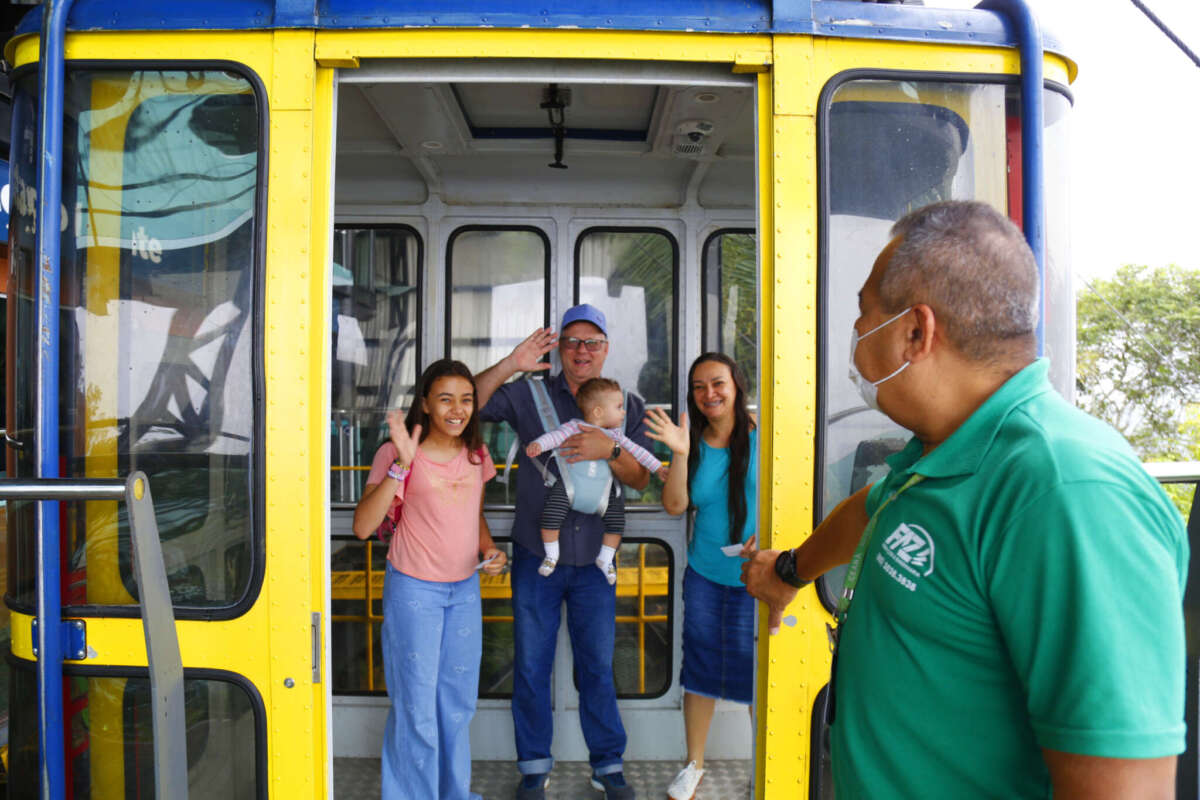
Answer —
(432, 642)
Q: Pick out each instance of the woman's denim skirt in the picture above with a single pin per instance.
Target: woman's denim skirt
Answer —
(718, 639)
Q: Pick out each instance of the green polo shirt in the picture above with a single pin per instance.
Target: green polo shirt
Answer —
(1026, 594)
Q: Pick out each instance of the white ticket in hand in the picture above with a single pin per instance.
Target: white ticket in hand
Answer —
(732, 550)
(485, 562)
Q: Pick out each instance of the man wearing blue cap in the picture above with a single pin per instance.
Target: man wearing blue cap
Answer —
(537, 601)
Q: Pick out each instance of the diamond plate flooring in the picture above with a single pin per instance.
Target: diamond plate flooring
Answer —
(497, 780)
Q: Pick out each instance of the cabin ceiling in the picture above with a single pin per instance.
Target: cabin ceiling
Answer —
(633, 144)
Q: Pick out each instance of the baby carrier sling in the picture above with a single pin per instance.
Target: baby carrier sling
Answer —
(587, 483)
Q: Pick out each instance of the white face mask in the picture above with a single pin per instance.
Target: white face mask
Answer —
(868, 389)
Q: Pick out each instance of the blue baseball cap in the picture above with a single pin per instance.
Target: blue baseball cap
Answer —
(585, 312)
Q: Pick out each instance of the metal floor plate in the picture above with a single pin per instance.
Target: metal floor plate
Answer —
(497, 780)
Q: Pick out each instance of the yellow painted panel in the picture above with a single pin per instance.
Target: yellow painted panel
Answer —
(252, 48)
(294, 329)
(811, 62)
(319, 344)
(764, 120)
(292, 70)
(794, 74)
(231, 645)
(795, 667)
(21, 49)
(21, 635)
(502, 43)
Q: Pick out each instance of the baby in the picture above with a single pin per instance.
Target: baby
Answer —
(603, 406)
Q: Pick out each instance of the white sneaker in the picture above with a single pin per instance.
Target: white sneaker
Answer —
(609, 570)
(685, 783)
(547, 567)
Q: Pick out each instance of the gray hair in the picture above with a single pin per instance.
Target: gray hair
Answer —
(972, 266)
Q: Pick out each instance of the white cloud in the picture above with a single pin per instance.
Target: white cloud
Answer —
(1135, 166)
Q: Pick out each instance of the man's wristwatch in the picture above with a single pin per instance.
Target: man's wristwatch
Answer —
(616, 453)
(785, 568)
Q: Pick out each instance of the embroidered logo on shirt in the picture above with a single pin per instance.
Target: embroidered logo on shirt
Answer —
(909, 547)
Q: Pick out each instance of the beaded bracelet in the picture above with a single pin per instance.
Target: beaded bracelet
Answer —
(397, 472)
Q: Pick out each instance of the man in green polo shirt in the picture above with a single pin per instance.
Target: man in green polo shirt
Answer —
(1015, 626)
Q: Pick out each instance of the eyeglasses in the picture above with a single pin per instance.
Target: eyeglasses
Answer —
(573, 343)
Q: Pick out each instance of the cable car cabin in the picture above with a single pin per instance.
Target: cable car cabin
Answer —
(275, 214)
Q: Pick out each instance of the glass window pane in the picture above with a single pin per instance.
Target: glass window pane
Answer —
(499, 293)
(893, 146)
(376, 311)
(630, 275)
(356, 603)
(110, 744)
(642, 656)
(496, 666)
(730, 277)
(156, 345)
(1060, 293)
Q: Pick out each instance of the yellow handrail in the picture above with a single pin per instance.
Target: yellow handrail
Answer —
(639, 582)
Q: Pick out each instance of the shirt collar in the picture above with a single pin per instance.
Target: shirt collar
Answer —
(964, 450)
(558, 383)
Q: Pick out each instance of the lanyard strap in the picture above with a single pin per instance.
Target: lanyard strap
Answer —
(860, 552)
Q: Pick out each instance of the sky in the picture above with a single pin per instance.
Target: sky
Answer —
(1135, 129)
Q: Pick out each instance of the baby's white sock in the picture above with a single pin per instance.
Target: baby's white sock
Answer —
(551, 549)
(606, 555)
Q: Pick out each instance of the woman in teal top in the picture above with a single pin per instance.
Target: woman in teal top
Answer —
(720, 448)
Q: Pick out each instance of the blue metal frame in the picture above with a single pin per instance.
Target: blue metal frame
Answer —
(1033, 198)
(51, 759)
(845, 18)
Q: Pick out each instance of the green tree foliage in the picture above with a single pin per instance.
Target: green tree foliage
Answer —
(1138, 361)
(739, 304)
(1139, 357)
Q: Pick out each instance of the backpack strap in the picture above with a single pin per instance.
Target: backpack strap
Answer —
(549, 420)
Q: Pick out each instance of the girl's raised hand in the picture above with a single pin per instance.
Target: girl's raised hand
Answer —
(406, 444)
(661, 429)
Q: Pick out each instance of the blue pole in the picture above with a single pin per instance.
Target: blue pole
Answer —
(1033, 196)
(51, 760)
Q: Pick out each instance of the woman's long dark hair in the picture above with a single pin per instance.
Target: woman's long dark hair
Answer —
(442, 368)
(739, 440)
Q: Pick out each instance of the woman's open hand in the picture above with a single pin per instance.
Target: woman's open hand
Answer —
(661, 429)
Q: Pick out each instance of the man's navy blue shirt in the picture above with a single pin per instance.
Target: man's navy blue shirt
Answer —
(579, 540)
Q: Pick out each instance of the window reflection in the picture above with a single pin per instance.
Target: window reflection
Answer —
(893, 146)
(110, 738)
(730, 312)
(376, 318)
(631, 276)
(498, 293)
(157, 276)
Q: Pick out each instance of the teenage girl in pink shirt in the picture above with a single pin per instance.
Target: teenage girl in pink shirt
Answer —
(427, 481)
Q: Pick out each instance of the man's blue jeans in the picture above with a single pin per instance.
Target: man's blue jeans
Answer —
(591, 623)
(432, 641)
